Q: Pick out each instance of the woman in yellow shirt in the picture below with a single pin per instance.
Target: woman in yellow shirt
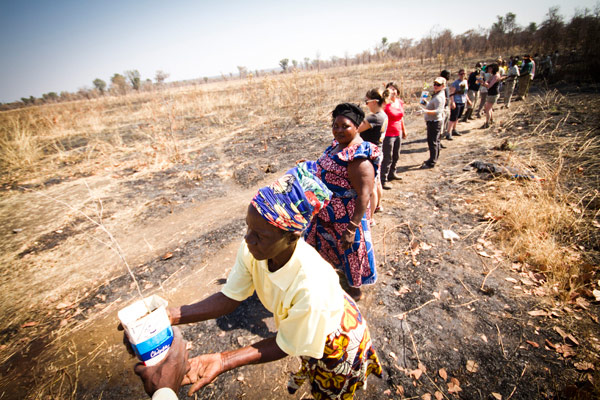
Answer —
(316, 320)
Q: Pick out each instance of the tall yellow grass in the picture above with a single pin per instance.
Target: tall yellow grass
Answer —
(548, 225)
(164, 125)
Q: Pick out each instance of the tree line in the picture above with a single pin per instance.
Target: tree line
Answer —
(577, 40)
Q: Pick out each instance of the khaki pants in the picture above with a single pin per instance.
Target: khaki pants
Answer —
(509, 88)
(524, 82)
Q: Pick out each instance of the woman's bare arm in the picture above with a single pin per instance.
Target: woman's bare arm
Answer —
(212, 307)
(362, 178)
(364, 126)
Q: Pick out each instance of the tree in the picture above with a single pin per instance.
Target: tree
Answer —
(100, 85)
(50, 97)
(147, 84)
(160, 76)
(295, 64)
(510, 22)
(382, 48)
(205, 79)
(243, 71)
(65, 96)
(283, 63)
(550, 30)
(118, 84)
(134, 78)
(306, 62)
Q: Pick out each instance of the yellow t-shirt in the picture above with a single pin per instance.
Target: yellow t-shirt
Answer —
(304, 295)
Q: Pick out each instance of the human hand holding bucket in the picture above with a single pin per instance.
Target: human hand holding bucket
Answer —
(148, 328)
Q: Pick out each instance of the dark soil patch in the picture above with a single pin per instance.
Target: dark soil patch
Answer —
(52, 239)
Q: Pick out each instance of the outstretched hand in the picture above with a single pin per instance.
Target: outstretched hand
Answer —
(169, 373)
(347, 239)
(204, 369)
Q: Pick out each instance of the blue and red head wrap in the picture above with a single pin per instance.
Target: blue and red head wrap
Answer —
(291, 201)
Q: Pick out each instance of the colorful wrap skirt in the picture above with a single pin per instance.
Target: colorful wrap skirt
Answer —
(348, 359)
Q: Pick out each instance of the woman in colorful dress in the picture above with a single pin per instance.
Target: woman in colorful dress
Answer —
(316, 320)
(340, 232)
(394, 109)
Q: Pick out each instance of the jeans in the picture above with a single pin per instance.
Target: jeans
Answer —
(433, 140)
(391, 153)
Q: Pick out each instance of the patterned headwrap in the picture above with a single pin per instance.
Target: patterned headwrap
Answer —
(291, 201)
(350, 111)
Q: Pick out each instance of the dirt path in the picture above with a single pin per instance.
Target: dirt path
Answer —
(443, 315)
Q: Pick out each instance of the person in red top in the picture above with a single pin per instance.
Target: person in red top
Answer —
(394, 134)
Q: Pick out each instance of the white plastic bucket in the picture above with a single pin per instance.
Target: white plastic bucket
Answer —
(151, 334)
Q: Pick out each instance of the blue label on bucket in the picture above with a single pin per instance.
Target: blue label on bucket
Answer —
(155, 345)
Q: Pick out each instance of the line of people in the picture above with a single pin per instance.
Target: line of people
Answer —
(487, 83)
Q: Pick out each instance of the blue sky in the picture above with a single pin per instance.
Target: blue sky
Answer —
(66, 44)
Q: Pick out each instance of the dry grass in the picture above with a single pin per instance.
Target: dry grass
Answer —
(159, 128)
(552, 225)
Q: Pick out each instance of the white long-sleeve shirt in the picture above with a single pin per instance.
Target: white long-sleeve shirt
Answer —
(164, 394)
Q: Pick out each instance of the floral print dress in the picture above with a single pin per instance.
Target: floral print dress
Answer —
(325, 230)
(348, 360)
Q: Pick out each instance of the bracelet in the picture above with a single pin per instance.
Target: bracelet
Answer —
(354, 224)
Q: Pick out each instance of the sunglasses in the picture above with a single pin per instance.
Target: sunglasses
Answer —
(436, 84)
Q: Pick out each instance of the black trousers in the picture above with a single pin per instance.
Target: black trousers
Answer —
(391, 154)
(433, 140)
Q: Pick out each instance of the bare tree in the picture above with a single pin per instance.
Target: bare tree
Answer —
(550, 32)
(160, 76)
(100, 85)
(283, 63)
(134, 78)
(118, 84)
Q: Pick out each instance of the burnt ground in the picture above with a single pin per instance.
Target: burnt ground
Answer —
(449, 318)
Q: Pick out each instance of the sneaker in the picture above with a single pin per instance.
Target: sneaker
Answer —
(442, 146)
(378, 209)
(386, 186)
(484, 126)
(455, 133)
(427, 165)
(395, 176)
(449, 138)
